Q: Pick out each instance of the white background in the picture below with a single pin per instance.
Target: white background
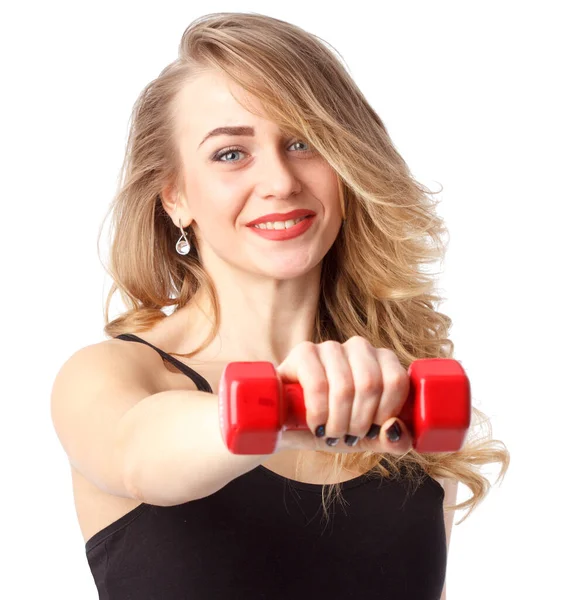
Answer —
(486, 99)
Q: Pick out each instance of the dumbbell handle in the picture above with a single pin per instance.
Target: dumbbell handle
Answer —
(438, 424)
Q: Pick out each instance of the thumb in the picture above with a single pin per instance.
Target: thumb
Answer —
(395, 437)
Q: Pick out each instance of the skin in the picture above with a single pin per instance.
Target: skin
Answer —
(268, 290)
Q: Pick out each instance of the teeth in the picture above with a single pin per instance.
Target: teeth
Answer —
(279, 224)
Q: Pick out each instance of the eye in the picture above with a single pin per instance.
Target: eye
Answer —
(235, 149)
(217, 157)
(301, 142)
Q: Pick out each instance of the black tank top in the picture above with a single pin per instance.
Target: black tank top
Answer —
(265, 537)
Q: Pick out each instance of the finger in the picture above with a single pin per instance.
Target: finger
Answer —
(341, 388)
(304, 365)
(369, 385)
(389, 440)
(396, 386)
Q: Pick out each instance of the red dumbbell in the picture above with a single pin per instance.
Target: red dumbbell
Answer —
(255, 406)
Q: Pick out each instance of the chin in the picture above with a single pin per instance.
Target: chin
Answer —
(289, 271)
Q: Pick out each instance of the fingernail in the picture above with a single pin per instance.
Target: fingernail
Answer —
(351, 440)
(373, 432)
(394, 432)
(332, 441)
(320, 431)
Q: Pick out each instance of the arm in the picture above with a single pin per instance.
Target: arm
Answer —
(450, 499)
(162, 448)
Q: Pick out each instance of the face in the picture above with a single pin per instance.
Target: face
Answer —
(231, 180)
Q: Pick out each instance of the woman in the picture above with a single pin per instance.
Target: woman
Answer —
(258, 121)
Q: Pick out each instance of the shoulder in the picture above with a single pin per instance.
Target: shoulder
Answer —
(450, 487)
(92, 391)
(125, 360)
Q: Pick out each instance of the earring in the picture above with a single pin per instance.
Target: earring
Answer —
(182, 246)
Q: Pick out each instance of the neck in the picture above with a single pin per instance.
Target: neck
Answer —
(260, 321)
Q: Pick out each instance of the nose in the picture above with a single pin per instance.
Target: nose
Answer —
(276, 176)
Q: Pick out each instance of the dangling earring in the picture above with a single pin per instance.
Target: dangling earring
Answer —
(182, 246)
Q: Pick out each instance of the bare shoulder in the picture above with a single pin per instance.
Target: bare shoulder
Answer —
(127, 362)
(450, 487)
(92, 391)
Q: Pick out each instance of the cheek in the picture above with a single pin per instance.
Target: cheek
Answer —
(329, 188)
(216, 214)
(212, 206)
(214, 202)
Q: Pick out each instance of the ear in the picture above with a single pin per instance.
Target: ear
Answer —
(175, 205)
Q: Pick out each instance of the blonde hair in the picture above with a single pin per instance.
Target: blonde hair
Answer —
(372, 284)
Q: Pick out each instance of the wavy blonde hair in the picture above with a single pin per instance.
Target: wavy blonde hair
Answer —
(372, 284)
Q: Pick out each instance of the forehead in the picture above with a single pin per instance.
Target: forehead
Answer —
(208, 101)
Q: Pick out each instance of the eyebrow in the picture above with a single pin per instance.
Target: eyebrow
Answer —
(237, 130)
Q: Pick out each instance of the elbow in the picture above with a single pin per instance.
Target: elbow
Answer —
(129, 482)
(132, 489)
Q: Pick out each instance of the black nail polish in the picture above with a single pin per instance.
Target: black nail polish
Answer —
(373, 432)
(351, 440)
(320, 431)
(332, 441)
(394, 432)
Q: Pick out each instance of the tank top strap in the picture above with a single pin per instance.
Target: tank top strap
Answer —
(201, 383)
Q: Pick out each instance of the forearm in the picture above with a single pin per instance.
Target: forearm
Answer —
(172, 449)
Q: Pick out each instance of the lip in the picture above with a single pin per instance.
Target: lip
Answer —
(294, 214)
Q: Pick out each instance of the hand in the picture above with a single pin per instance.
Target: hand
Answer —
(348, 388)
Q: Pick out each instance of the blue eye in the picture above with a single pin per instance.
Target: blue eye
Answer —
(221, 154)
